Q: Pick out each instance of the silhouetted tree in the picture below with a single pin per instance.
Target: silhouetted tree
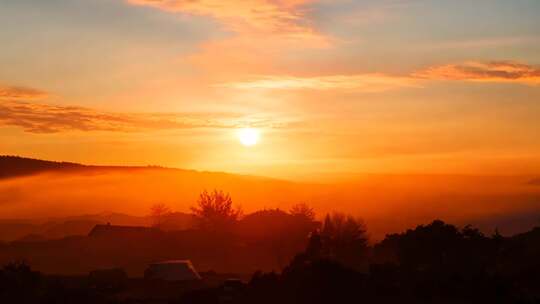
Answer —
(435, 263)
(303, 210)
(344, 238)
(314, 247)
(471, 233)
(277, 231)
(215, 211)
(328, 226)
(439, 247)
(159, 213)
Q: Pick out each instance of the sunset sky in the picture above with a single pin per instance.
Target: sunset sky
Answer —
(333, 86)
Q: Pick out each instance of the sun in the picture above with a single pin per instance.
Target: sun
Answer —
(248, 136)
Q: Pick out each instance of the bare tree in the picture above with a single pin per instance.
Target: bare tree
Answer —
(303, 210)
(215, 210)
(159, 213)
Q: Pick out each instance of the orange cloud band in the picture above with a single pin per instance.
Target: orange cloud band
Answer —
(494, 71)
(361, 82)
(43, 118)
(242, 15)
(20, 93)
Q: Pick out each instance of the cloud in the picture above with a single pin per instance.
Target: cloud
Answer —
(494, 71)
(245, 16)
(43, 118)
(261, 29)
(20, 93)
(361, 82)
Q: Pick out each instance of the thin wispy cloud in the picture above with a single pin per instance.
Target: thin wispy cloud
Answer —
(362, 82)
(245, 16)
(20, 93)
(493, 71)
(260, 29)
(45, 118)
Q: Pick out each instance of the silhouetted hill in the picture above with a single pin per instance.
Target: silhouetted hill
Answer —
(57, 228)
(15, 166)
(263, 240)
(132, 248)
(12, 230)
(19, 166)
(54, 189)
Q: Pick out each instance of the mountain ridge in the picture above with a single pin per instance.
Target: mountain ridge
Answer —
(19, 166)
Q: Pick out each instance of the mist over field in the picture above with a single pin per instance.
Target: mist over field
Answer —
(385, 203)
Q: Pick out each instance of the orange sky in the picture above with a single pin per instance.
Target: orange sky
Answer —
(333, 86)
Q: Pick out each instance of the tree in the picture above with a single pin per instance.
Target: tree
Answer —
(328, 227)
(343, 229)
(283, 234)
(303, 210)
(215, 211)
(344, 238)
(159, 213)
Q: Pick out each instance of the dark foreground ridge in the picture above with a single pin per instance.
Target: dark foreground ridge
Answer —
(16, 166)
(434, 263)
(13, 166)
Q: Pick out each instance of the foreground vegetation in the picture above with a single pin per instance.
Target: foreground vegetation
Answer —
(322, 262)
(435, 263)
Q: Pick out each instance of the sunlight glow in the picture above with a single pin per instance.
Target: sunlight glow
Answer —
(248, 136)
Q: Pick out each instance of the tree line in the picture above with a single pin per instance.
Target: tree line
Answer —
(432, 263)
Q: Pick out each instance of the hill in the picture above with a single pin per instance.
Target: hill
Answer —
(57, 228)
(62, 190)
(13, 166)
